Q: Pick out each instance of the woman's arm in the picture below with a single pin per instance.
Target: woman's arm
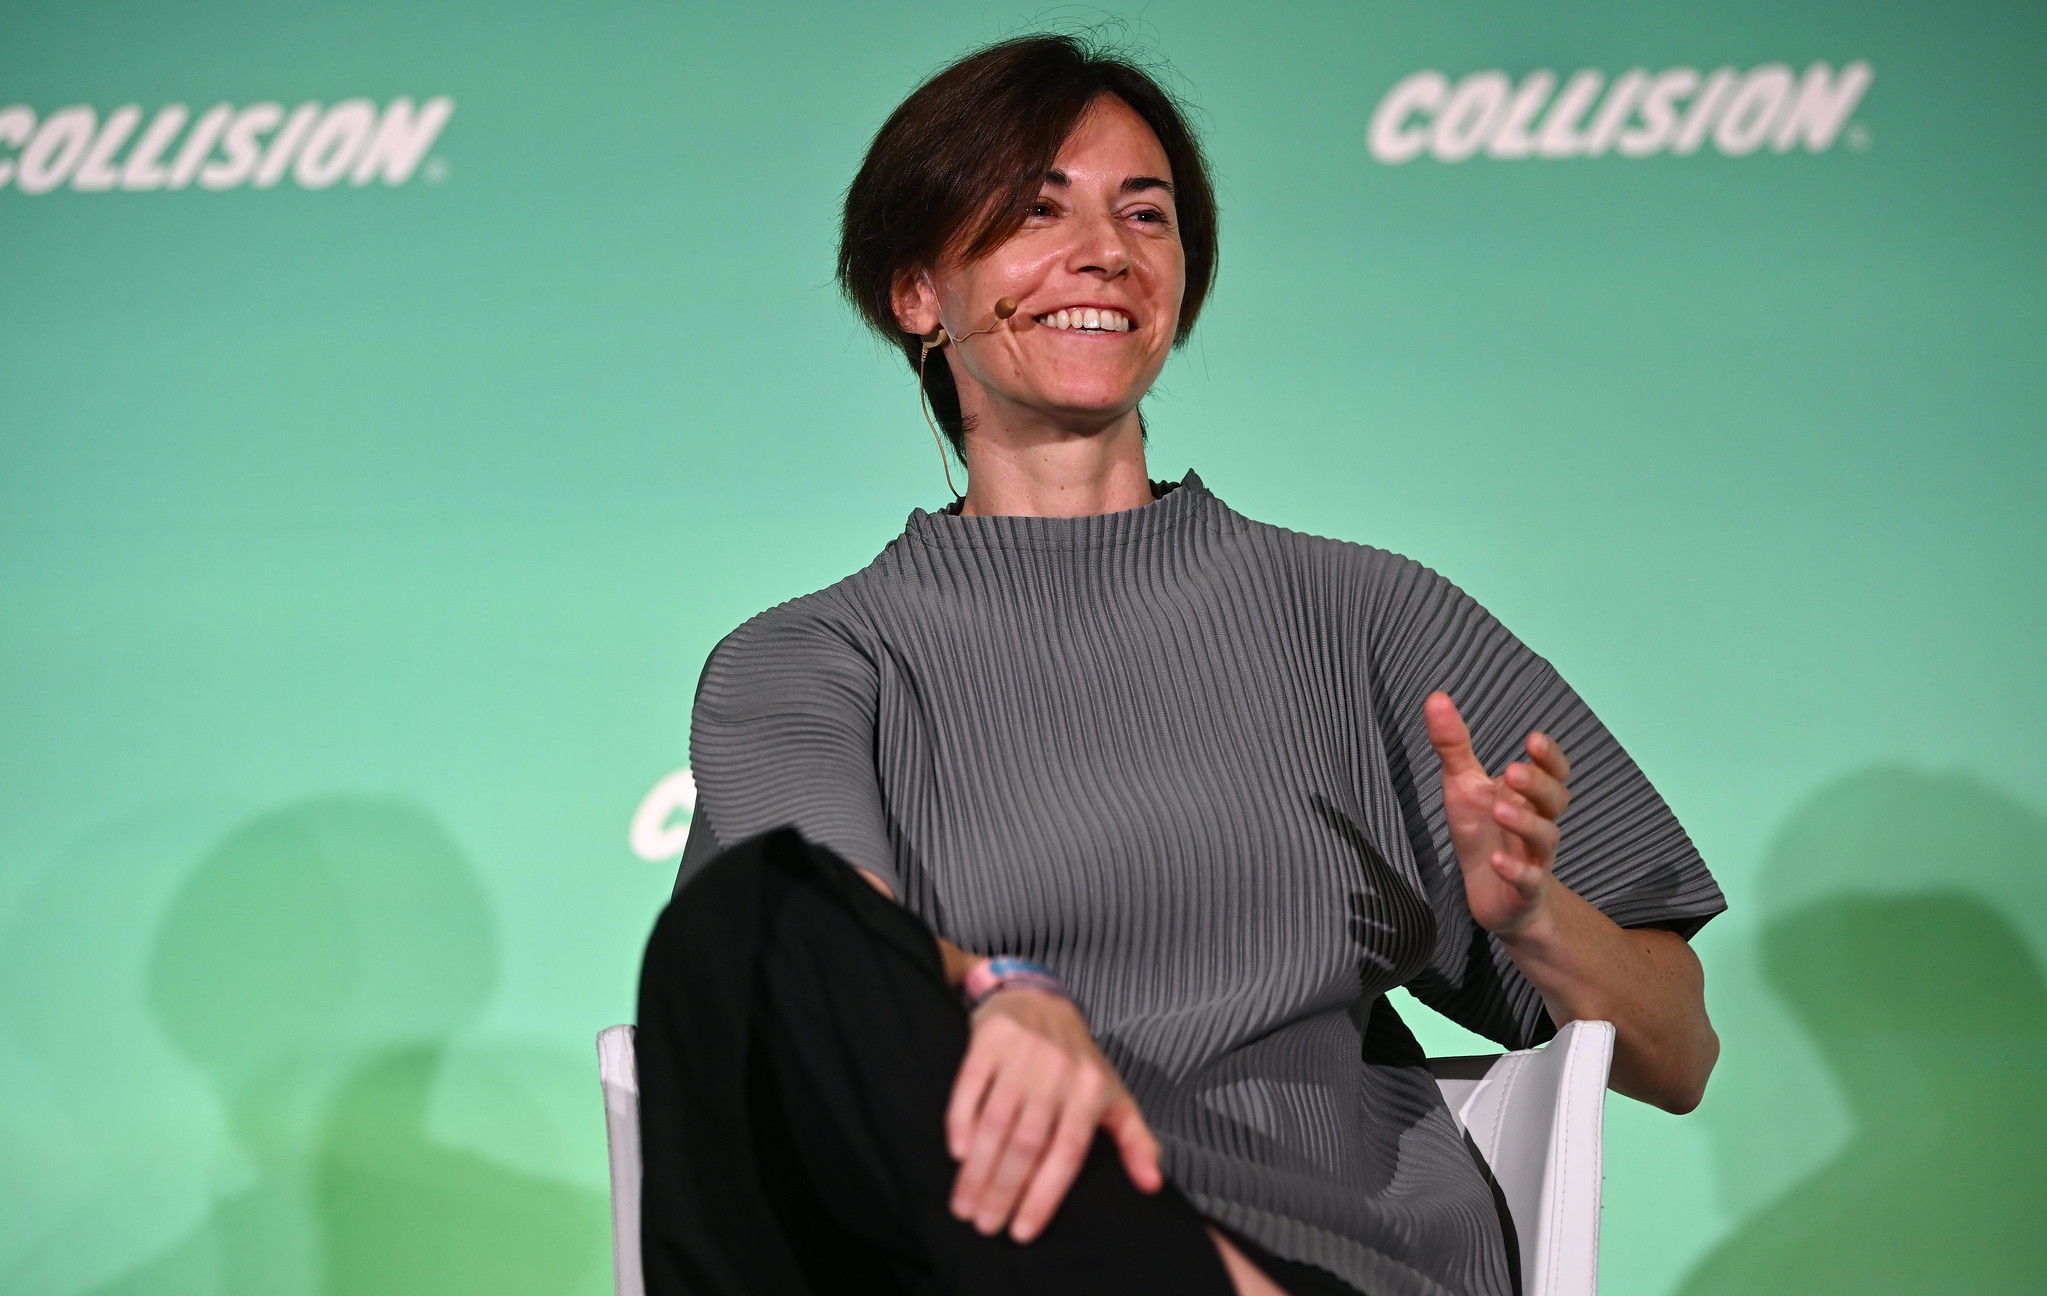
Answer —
(1644, 980)
(1647, 982)
(1030, 1094)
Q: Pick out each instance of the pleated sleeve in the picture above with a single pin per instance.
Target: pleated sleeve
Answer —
(782, 735)
(1621, 847)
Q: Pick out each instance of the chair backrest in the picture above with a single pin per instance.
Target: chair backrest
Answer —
(620, 1073)
(1537, 1117)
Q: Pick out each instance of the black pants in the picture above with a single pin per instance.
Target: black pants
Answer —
(797, 1045)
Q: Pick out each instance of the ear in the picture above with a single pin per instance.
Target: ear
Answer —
(916, 302)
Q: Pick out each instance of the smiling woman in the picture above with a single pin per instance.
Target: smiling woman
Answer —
(1047, 877)
(1092, 283)
(974, 190)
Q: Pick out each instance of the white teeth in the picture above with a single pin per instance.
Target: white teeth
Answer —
(1088, 318)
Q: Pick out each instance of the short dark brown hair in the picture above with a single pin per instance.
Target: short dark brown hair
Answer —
(954, 169)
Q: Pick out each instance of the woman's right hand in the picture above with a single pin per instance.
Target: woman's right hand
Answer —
(1029, 1096)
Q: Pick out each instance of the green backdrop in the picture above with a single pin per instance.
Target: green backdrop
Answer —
(360, 544)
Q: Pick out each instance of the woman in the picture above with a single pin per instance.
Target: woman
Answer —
(1205, 774)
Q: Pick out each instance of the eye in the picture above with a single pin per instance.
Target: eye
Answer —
(1040, 208)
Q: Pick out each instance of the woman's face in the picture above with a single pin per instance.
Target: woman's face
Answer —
(1097, 271)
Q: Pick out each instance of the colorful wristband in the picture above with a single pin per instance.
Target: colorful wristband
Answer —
(988, 975)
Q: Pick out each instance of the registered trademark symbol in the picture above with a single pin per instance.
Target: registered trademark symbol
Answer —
(435, 170)
(1858, 137)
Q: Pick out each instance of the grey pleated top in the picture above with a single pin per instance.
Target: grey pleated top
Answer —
(1178, 756)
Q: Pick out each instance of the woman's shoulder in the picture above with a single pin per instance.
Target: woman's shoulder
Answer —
(1394, 601)
(1340, 566)
(831, 627)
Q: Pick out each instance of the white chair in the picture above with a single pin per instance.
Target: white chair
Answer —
(1536, 1116)
(620, 1072)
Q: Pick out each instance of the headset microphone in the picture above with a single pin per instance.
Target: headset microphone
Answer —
(936, 338)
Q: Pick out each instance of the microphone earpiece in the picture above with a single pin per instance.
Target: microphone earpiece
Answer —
(938, 337)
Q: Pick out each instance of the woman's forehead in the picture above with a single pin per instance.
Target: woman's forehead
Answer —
(1111, 141)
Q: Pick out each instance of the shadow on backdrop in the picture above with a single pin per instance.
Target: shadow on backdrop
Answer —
(1893, 905)
(316, 966)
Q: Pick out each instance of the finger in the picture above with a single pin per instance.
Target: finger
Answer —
(1064, 1156)
(1543, 750)
(1448, 735)
(1517, 816)
(1525, 876)
(969, 1091)
(1547, 793)
(984, 1146)
(1140, 1150)
(1018, 1161)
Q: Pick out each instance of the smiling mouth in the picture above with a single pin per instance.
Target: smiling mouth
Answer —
(1088, 319)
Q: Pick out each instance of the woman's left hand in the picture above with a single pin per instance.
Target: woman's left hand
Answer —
(1504, 829)
(1647, 982)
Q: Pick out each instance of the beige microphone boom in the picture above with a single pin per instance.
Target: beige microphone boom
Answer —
(936, 338)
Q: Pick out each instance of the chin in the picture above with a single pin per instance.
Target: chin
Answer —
(1094, 400)
(1094, 412)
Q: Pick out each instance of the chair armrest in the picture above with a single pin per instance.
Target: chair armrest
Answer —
(1537, 1116)
(619, 1071)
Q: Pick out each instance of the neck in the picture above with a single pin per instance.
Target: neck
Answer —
(1045, 471)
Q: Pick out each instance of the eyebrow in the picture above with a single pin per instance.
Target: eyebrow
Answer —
(1134, 184)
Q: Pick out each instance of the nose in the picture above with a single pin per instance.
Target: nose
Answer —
(1099, 247)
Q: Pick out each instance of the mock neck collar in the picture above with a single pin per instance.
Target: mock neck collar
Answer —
(1182, 503)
